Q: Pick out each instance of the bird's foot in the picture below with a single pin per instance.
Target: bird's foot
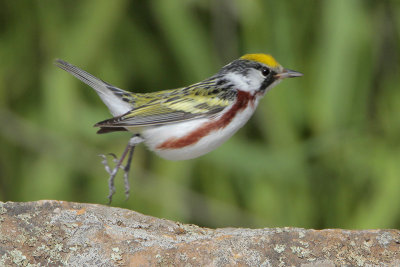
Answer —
(136, 139)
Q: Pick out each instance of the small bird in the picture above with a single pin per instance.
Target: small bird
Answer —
(186, 122)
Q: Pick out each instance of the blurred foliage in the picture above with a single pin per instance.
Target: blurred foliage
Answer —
(321, 151)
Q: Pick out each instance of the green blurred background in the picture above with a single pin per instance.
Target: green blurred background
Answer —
(321, 151)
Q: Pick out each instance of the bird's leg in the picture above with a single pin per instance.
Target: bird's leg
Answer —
(126, 172)
(111, 172)
(136, 139)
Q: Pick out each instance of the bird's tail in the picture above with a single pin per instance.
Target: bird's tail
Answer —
(109, 94)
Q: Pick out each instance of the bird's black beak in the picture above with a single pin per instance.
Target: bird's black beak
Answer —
(286, 73)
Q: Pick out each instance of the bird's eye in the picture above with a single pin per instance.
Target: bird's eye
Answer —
(265, 71)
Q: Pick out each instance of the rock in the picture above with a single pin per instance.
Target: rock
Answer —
(74, 234)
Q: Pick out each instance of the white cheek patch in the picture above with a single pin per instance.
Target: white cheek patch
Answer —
(249, 83)
(256, 79)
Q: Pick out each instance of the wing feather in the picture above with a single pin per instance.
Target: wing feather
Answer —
(172, 106)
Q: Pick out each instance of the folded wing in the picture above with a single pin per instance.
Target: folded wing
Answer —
(171, 107)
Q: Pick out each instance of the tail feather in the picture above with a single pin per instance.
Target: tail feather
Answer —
(109, 94)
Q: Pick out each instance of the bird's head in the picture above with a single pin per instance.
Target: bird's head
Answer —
(256, 73)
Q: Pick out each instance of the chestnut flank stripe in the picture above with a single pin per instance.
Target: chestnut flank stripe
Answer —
(242, 101)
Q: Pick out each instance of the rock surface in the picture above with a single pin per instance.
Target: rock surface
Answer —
(74, 234)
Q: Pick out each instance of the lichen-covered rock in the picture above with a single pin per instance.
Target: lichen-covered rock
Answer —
(73, 234)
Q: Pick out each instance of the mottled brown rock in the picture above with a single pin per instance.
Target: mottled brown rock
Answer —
(73, 234)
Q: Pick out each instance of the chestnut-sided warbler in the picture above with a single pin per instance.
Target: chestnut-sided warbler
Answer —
(187, 122)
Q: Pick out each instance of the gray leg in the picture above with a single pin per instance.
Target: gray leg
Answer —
(126, 172)
(136, 139)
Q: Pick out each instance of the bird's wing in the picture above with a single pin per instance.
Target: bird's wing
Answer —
(172, 106)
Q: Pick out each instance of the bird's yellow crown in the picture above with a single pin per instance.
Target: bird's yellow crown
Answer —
(262, 58)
